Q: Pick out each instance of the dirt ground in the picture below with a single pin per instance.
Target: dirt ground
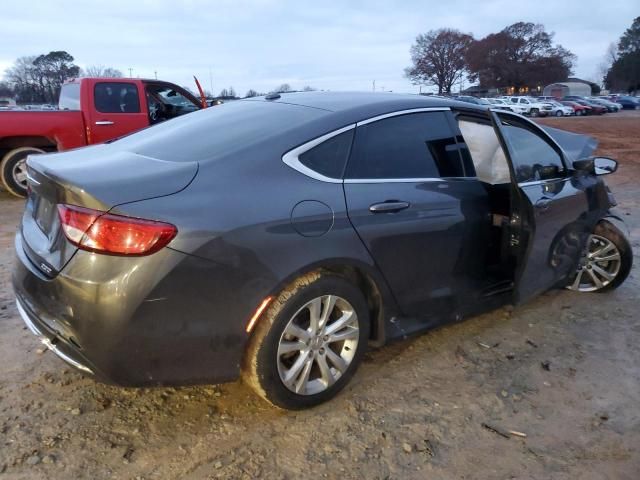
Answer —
(415, 409)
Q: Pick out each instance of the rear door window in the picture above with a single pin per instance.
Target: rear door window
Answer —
(116, 97)
(412, 146)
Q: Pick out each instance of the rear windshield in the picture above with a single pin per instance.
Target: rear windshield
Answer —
(218, 131)
(69, 97)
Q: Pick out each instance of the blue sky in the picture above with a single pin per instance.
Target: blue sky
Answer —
(261, 44)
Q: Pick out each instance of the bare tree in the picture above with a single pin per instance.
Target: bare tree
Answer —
(521, 55)
(284, 88)
(39, 78)
(307, 88)
(438, 58)
(251, 93)
(100, 71)
(610, 56)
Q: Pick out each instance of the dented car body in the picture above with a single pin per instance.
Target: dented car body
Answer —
(435, 210)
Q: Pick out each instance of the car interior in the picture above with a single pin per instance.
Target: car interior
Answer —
(492, 170)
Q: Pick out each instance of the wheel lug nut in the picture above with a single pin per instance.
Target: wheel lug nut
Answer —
(322, 351)
(325, 338)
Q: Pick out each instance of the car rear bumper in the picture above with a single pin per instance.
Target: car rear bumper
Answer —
(54, 342)
(121, 331)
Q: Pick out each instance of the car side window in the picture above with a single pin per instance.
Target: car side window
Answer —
(116, 97)
(534, 157)
(410, 146)
(330, 157)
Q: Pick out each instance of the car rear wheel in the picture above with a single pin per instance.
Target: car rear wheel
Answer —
(13, 170)
(309, 343)
(606, 262)
(534, 112)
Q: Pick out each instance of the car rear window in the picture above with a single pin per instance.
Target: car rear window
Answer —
(218, 131)
(69, 97)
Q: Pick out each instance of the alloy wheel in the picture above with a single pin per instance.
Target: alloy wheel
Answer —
(318, 345)
(598, 267)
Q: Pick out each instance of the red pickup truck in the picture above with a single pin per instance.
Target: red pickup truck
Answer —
(91, 110)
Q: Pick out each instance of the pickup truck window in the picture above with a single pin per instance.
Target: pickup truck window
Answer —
(69, 97)
(167, 102)
(116, 97)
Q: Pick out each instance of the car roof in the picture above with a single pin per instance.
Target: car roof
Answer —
(362, 104)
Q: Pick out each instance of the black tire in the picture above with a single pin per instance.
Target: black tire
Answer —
(9, 166)
(610, 232)
(559, 113)
(260, 369)
(534, 112)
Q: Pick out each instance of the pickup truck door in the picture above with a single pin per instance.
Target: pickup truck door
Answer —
(115, 109)
(554, 209)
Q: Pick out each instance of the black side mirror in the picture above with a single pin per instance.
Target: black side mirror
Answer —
(596, 165)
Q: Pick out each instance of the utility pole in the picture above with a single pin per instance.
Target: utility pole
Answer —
(130, 72)
(155, 72)
(374, 85)
(210, 82)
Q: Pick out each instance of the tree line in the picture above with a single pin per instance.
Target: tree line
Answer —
(623, 73)
(519, 56)
(38, 78)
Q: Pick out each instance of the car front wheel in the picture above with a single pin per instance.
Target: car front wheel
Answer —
(606, 262)
(309, 342)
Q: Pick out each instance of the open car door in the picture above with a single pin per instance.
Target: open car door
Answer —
(554, 209)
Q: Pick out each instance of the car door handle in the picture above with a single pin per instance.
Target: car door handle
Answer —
(390, 206)
(104, 122)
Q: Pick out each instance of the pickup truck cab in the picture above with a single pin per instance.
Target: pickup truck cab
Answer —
(90, 111)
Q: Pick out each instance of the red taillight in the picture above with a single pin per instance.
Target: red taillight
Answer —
(102, 232)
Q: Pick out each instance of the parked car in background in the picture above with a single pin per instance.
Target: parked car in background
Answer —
(610, 106)
(276, 238)
(578, 109)
(560, 110)
(628, 102)
(531, 106)
(505, 105)
(596, 109)
(91, 110)
(474, 100)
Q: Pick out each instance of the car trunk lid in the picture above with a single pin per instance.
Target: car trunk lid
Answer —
(97, 178)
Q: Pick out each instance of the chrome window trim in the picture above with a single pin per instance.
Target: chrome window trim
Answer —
(540, 182)
(402, 112)
(292, 159)
(393, 180)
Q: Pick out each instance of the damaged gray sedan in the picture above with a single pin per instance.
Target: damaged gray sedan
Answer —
(277, 238)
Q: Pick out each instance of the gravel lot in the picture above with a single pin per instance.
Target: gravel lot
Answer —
(563, 369)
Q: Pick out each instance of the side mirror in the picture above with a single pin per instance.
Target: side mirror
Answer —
(604, 165)
(596, 165)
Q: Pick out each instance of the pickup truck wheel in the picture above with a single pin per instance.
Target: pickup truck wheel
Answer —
(13, 170)
(534, 112)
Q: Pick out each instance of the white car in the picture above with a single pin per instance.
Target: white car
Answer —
(503, 104)
(560, 110)
(532, 106)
